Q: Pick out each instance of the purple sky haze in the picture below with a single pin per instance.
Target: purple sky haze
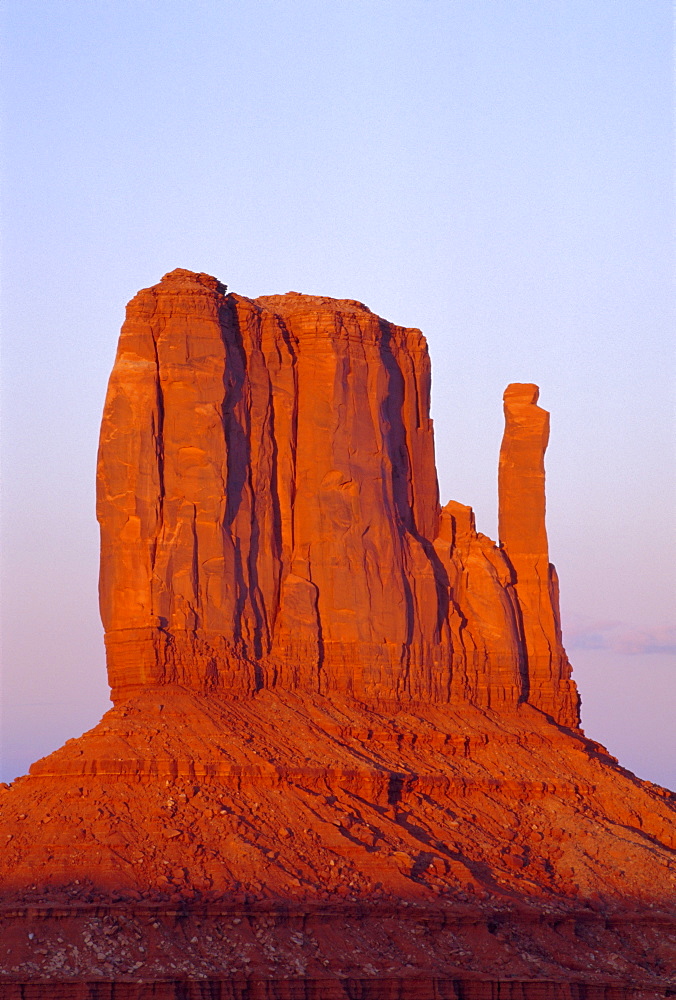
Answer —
(499, 174)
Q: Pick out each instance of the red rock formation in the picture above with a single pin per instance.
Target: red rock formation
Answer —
(269, 513)
(322, 776)
(483, 614)
(523, 539)
(266, 494)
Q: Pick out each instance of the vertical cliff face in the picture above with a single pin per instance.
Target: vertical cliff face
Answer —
(267, 493)
(359, 576)
(269, 513)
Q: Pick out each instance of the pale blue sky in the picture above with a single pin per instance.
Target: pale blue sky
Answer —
(496, 172)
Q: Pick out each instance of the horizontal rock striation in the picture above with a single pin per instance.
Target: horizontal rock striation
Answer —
(269, 515)
(189, 836)
(308, 988)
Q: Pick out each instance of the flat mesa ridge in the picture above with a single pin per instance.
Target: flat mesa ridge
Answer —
(344, 757)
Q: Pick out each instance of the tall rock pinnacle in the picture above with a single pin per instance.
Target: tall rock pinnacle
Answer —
(269, 513)
(523, 538)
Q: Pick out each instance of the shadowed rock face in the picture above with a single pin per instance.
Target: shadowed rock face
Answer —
(269, 514)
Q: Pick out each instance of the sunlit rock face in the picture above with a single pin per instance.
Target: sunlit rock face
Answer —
(523, 539)
(269, 514)
(343, 757)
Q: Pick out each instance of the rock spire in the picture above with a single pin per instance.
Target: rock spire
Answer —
(523, 540)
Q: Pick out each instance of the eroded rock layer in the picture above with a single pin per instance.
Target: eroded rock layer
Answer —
(269, 514)
(189, 836)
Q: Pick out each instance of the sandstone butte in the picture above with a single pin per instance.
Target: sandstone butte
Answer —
(344, 757)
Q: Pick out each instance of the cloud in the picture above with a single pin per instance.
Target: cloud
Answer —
(582, 633)
(655, 640)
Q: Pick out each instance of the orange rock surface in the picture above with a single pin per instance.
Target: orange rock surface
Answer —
(267, 496)
(344, 757)
(523, 539)
(269, 514)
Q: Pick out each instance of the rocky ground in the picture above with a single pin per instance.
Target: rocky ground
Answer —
(285, 838)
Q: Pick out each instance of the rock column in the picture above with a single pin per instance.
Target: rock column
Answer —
(523, 539)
